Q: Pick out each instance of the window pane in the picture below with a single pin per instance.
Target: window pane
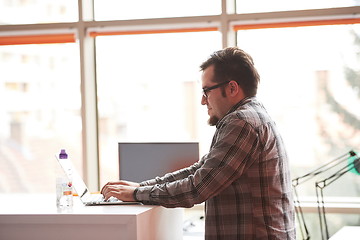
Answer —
(41, 11)
(310, 84)
(148, 90)
(250, 6)
(142, 9)
(39, 114)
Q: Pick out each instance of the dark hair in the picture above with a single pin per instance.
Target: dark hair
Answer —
(235, 64)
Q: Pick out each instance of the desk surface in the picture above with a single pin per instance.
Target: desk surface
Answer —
(46, 204)
(347, 233)
(25, 216)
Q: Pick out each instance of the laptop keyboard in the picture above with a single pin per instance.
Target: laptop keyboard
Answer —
(97, 198)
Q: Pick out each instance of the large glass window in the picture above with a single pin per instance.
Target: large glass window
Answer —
(142, 9)
(310, 84)
(148, 87)
(37, 11)
(148, 90)
(39, 114)
(252, 6)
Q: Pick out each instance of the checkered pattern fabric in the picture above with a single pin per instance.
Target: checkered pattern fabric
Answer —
(244, 180)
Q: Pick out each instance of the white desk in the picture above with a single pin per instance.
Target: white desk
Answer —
(36, 217)
(347, 233)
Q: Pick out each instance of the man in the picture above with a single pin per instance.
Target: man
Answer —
(244, 180)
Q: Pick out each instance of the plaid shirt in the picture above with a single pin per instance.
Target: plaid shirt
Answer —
(244, 180)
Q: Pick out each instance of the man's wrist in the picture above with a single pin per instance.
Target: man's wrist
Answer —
(134, 194)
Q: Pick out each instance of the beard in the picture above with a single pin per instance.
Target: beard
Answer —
(213, 120)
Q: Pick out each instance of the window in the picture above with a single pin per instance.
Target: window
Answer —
(148, 87)
(40, 113)
(309, 80)
(309, 86)
(144, 9)
(31, 11)
(253, 6)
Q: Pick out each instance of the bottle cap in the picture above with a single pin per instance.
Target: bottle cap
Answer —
(63, 154)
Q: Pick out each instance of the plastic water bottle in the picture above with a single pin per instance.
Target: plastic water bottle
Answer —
(64, 188)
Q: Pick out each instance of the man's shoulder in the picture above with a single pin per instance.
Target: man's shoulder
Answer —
(252, 112)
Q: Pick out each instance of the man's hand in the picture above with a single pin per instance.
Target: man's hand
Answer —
(122, 190)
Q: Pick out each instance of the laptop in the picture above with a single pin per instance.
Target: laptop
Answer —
(82, 190)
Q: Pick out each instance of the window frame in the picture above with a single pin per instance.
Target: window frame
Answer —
(86, 29)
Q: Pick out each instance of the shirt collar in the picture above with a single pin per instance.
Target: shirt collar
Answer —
(236, 106)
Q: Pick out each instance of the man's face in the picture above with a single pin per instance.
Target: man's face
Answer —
(216, 103)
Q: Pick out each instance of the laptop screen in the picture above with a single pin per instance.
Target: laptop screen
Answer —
(144, 161)
(78, 183)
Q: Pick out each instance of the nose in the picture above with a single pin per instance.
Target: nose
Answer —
(203, 100)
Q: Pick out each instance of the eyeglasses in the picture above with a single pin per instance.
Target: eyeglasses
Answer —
(206, 90)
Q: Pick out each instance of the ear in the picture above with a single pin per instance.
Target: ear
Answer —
(235, 91)
(234, 88)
